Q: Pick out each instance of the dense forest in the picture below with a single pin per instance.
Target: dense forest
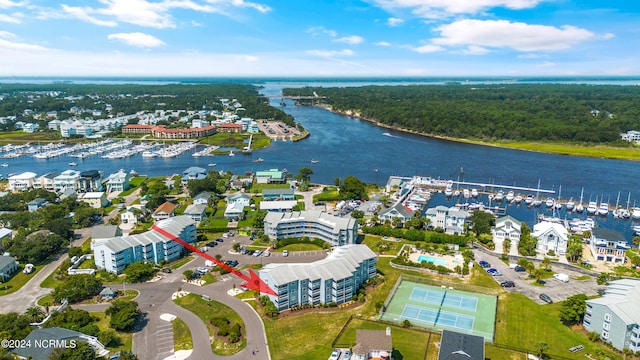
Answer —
(586, 114)
(131, 98)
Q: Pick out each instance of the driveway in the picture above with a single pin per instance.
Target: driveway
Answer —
(556, 289)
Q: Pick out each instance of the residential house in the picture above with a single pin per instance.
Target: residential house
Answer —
(107, 293)
(455, 345)
(451, 220)
(313, 224)
(68, 179)
(193, 173)
(373, 344)
(334, 279)
(5, 234)
(551, 237)
(55, 335)
(46, 181)
(239, 197)
(271, 176)
(118, 181)
(234, 211)
(164, 211)
(36, 204)
(507, 228)
(608, 245)
(396, 211)
(196, 212)
(278, 194)
(8, 266)
(278, 205)
(114, 254)
(90, 181)
(95, 199)
(22, 182)
(202, 198)
(30, 127)
(615, 316)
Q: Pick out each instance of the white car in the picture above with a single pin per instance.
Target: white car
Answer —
(285, 253)
(267, 253)
(335, 355)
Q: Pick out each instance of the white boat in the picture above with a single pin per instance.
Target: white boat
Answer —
(448, 192)
(624, 213)
(314, 161)
(149, 154)
(258, 160)
(558, 204)
(499, 196)
(510, 196)
(603, 209)
(456, 193)
(73, 164)
(570, 205)
(579, 206)
(474, 193)
(518, 199)
(212, 164)
(592, 208)
(4, 164)
(465, 193)
(537, 202)
(529, 199)
(635, 213)
(231, 153)
(549, 203)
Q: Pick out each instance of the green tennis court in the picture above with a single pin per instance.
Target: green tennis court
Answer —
(434, 307)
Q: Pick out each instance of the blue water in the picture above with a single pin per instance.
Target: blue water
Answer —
(436, 261)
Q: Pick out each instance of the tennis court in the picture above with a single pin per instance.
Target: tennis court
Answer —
(434, 307)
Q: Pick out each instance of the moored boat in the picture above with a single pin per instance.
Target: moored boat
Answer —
(537, 202)
(603, 209)
(529, 199)
(570, 204)
(550, 202)
(592, 208)
(474, 193)
(499, 196)
(635, 213)
(510, 196)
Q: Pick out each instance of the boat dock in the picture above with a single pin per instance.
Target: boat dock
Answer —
(497, 187)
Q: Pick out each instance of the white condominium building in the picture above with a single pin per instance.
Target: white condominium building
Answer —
(314, 224)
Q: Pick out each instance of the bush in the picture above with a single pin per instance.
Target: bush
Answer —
(91, 329)
(109, 338)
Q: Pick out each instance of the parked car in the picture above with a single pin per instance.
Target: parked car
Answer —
(347, 355)
(212, 243)
(220, 240)
(267, 253)
(257, 253)
(507, 284)
(494, 272)
(484, 264)
(166, 270)
(335, 355)
(519, 268)
(546, 298)
(561, 277)
(285, 253)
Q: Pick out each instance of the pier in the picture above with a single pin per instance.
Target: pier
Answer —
(502, 187)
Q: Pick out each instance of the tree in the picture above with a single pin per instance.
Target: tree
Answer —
(127, 355)
(77, 288)
(605, 277)
(123, 314)
(188, 274)
(35, 313)
(139, 271)
(482, 222)
(357, 214)
(336, 182)
(14, 326)
(636, 241)
(546, 264)
(82, 351)
(573, 309)
(304, 174)
(538, 274)
(353, 188)
(109, 338)
(541, 347)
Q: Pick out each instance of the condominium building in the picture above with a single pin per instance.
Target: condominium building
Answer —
(68, 179)
(451, 220)
(335, 279)
(313, 224)
(608, 245)
(22, 182)
(114, 254)
(615, 316)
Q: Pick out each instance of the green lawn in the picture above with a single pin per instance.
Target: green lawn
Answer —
(205, 310)
(257, 188)
(180, 262)
(136, 181)
(181, 335)
(126, 339)
(18, 280)
(299, 247)
(327, 196)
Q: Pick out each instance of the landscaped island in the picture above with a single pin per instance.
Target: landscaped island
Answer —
(584, 120)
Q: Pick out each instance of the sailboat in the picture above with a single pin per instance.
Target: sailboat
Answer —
(580, 207)
(510, 196)
(593, 206)
(626, 213)
(616, 210)
(603, 209)
(558, 204)
(635, 213)
(537, 202)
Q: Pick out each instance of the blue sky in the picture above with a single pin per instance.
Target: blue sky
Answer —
(319, 38)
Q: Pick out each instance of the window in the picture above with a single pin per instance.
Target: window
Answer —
(606, 326)
(605, 335)
(607, 317)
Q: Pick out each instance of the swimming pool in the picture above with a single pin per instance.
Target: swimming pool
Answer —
(437, 261)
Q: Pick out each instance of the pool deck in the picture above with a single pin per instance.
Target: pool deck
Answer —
(451, 261)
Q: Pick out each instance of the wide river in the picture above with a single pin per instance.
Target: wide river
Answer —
(344, 146)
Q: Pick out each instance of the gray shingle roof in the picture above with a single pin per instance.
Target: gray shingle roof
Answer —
(6, 260)
(105, 231)
(454, 346)
(42, 335)
(622, 297)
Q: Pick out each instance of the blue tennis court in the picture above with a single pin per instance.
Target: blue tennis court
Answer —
(450, 300)
(432, 317)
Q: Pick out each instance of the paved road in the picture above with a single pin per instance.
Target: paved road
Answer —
(556, 289)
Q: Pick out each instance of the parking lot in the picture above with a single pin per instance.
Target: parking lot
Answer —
(556, 289)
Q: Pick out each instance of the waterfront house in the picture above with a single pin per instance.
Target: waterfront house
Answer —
(334, 279)
(36, 204)
(398, 210)
(95, 199)
(90, 180)
(608, 245)
(239, 197)
(451, 220)
(202, 198)
(455, 345)
(118, 181)
(8, 266)
(551, 237)
(68, 179)
(373, 344)
(615, 316)
(278, 194)
(30, 127)
(114, 254)
(22, 182)
(271, 176)
(196, 212)
(193, 173)
(507, 228)
(164, 211)
(335, 230)
(46, 181)
(234, 211)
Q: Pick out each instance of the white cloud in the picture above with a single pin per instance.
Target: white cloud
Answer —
(241, 3)
(505, 34)
(427, 48)
(382, 43)
(81, 14)
(433, 9)
(5, 4)
(353, 40)
(15, 18)
(394, 21)
(547, 64)
(6, 45)
(250, 58)
(137, 39)
(330, 53)
(475, 50)
(7, 35)
(320, 30)
(532, 56)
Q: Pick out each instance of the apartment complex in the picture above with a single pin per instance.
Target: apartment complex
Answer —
(313, 224)
(114, 254)
(335, 279)
(615, 316)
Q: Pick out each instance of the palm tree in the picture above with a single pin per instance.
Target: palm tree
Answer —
(636, 241)
(541, 347)
(546, 263)
(34, 313)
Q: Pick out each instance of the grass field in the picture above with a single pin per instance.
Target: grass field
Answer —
(181, 335)
(205, 310)
(299, 247)
(126, 339)
(18, 280)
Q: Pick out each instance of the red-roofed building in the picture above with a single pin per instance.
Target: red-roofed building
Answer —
(163, 133)
(137, 129)
(230, 128)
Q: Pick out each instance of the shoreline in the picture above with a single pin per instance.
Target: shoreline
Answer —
(353, 115)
